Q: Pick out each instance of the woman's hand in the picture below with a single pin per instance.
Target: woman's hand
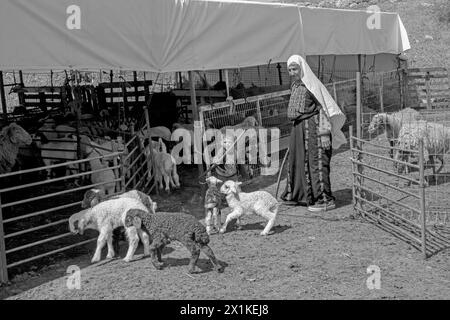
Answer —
(326, 141)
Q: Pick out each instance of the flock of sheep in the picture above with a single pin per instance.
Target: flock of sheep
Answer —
(404, 130)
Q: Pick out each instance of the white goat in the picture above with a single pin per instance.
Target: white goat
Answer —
(105, 217)
(165, 167)
(261, 203)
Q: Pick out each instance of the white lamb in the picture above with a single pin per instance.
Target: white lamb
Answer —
(436, 142)
(165, 167)
(107, 216)
(106, 175)
(261, 203)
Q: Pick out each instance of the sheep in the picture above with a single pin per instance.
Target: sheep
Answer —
(54, 151)
(261, 203)
(93, 197)
(106, 176)
(436, 142)
(159, 131)
(392, 123)
(249, 122)
(106, 147)
(213, 202)
(11, 137)
(165, 167)
(163, 227)
(48, 129)
(107, 216)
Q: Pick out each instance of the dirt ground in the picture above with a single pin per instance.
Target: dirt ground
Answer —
(308, 256)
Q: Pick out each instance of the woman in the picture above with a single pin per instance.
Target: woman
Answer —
(316, 118)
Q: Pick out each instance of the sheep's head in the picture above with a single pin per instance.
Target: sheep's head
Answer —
(77, 222)
(17, 134)
(378, 121)
(251, 121)
(213, 181)
(91, 198)
(159, 146)
(230, 187)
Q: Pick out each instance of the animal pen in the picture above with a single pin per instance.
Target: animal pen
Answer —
(185, 42)
(400, 180)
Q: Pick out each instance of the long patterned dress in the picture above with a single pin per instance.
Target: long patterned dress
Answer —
(308, 176)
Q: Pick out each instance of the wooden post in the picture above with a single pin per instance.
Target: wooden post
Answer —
(381, 94)
(3, 263)
(400, 84)
(21, 94)
(422, 198)
(280, 78)
(136, 88)
(3, 98)
(195, 114)
(111, 88)
(405, 88)
(334, 92)
(150, 162)
(117, 172)
(427, 86)
(131, 159)
(227, 83)
(354, 190)
(358, 105)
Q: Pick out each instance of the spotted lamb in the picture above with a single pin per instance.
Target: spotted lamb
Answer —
(163, 227)
(213, 202)
(261, 203)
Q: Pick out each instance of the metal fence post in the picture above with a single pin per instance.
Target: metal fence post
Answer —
(3, 264)
(150, 162)
(381, 93)
(358, 105)
(422, 198)
(258, 112)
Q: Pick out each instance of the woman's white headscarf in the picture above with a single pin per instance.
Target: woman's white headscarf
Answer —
(330, 107)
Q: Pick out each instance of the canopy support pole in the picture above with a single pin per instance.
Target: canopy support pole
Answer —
(3, 98)
(197, 130)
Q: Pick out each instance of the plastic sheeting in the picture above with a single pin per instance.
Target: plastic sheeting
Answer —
(181, 35)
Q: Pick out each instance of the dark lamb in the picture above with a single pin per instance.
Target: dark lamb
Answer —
(164, 227)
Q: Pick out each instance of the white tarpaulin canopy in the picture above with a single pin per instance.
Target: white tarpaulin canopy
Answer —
(181, 35)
